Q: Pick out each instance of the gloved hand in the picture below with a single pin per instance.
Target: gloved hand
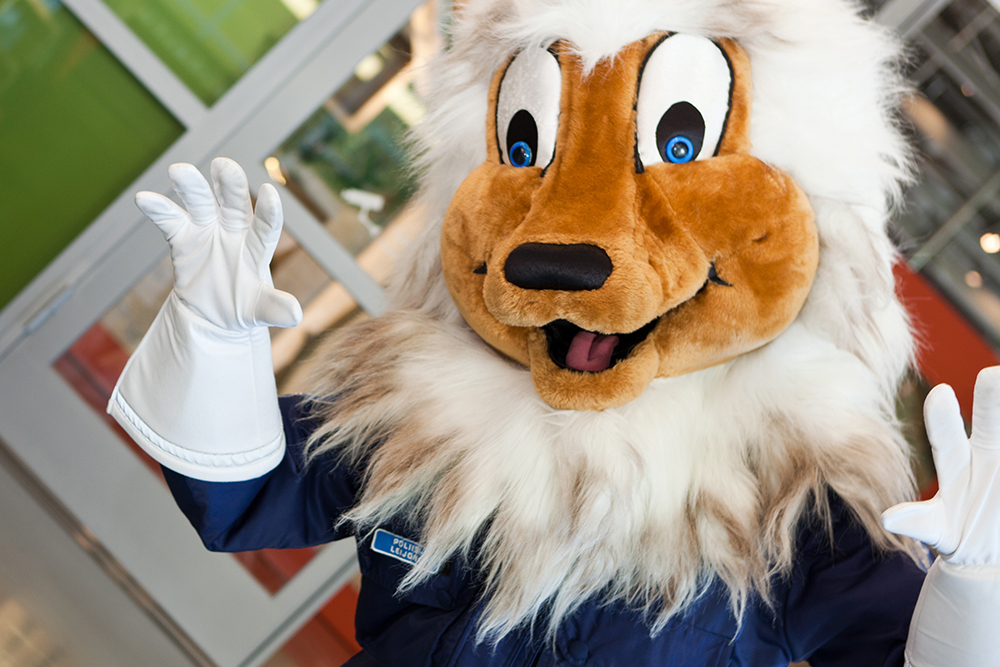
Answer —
(956, 621)
(221, 251)
(198, 394)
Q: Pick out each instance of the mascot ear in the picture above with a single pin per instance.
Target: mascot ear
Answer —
(527, 111)
(685, 94)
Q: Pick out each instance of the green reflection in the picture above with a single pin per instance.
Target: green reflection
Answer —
(75, 129)
(372, 160)
(209, 44)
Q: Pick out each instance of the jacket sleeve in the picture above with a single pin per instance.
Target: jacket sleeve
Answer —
(847, 604)
(291, 506)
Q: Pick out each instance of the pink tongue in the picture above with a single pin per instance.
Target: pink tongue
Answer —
(590, 351)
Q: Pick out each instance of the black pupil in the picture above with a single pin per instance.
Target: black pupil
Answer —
(522, 127)
(682, 119)
(519, 155)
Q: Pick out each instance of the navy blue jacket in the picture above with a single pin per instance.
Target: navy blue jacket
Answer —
(843, 605)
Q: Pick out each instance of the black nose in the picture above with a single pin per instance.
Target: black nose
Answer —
(560, 267)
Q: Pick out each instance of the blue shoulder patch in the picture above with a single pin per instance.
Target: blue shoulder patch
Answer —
(396, 547)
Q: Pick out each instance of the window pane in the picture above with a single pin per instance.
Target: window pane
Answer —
(347, 165)
(75, 128)
(326, 306)
(209, 44)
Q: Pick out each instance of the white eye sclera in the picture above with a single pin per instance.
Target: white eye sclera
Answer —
(685, 93)
(527, 113)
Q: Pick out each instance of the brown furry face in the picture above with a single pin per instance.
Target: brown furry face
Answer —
(681, 266)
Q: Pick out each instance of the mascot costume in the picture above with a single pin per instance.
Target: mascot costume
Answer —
(633, 404)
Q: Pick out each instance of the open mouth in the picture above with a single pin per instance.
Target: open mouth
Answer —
(577, 349)
(584, 351)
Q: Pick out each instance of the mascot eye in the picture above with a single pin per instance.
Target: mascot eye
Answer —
(527, 113)
(685, 92)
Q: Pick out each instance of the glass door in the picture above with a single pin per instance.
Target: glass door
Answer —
(316, 104)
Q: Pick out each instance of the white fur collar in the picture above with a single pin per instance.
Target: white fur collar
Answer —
(703, 474)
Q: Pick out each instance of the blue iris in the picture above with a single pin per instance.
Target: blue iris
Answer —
(520, 154)
(679, 150)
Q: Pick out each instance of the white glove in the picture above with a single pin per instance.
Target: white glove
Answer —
(199, 394)
(957, 619)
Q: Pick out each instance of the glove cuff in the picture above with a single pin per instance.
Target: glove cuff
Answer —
(202, 400)
(956, 618)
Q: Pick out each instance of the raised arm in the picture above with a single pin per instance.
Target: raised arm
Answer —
(957, 617)
(199, 394)
(291, 506)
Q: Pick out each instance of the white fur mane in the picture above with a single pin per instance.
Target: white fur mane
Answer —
(703, 475)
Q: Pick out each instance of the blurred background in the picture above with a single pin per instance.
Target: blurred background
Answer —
(97, 97)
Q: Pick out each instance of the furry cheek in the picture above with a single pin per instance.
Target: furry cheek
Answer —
(758, 228)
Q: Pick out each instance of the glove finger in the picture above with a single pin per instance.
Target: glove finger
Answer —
(194, 191)
(265, 229)
(986, 409)
(164, 213)
(946, 431)
(922, 521)
(275, 308)
(233, 192)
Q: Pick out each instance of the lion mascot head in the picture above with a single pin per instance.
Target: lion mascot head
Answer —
(651, 323)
